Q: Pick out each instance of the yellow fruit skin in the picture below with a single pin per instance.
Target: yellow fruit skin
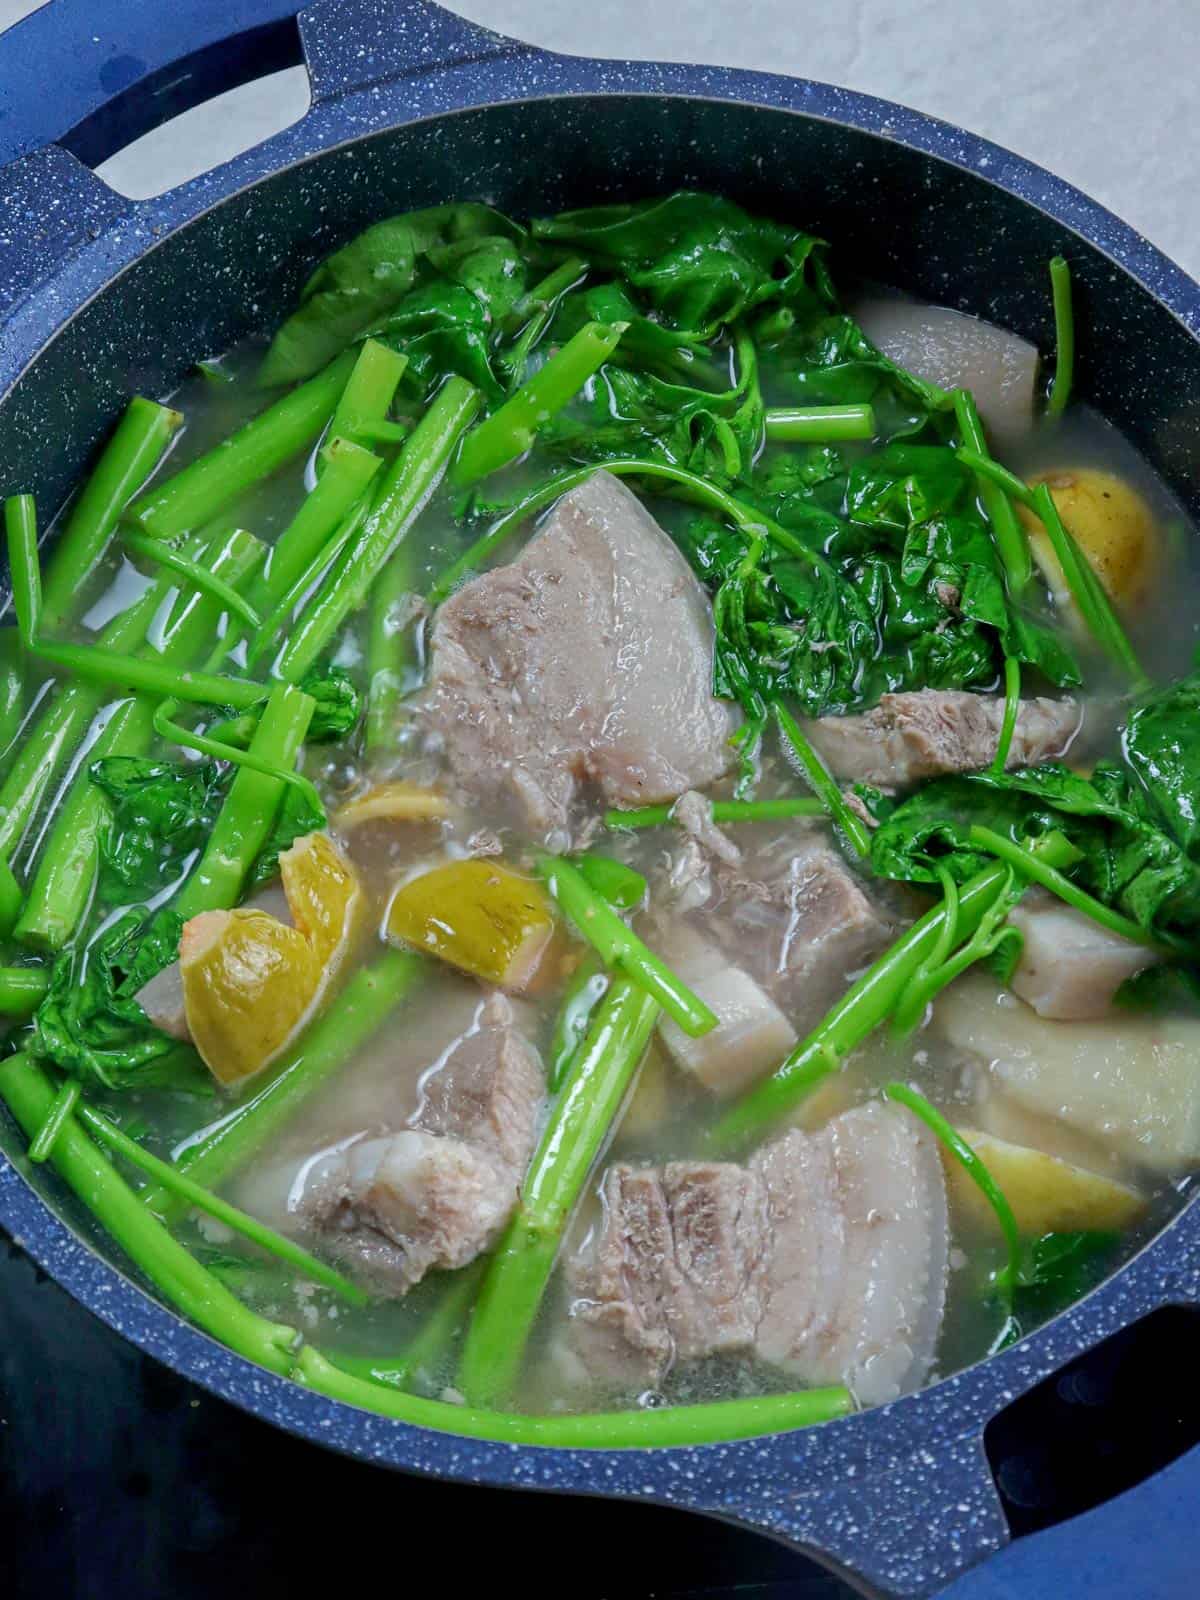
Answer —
(1047, 1195)
(248, 981)
(477, 916)
(323, 893)
(1113, 527)
(394, 802)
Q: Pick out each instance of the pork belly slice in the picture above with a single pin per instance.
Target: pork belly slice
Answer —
(586, 662)
(825, 1255)
(926, 733)
(392, 1203)
(788, 914)
(752, 1035)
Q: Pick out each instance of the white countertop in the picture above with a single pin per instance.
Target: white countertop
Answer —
(1103, 92)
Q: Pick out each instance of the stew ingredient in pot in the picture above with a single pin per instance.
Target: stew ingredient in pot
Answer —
(602, 828)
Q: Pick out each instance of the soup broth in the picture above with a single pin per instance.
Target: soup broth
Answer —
(773, 1200)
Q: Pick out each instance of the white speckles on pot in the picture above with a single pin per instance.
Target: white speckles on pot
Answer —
(412, 106)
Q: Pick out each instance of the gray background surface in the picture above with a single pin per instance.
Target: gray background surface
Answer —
(1103, 92)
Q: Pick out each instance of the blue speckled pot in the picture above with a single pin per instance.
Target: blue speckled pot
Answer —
(412, 106)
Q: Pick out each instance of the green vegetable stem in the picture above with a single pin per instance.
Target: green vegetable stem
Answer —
(1064, 337)
(22, 990)
(819, 424)
(1011, 543)
(412, 478)
(62, 883)
(511, 430)
(722, 812)
(206, 486)
(245, 819)
(579, 1123)
(168, 1265)
(130, 456)
(618, 946)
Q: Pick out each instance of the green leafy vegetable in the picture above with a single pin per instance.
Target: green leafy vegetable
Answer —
(359, 283)
(90, 1024)
(162, 812)
(295, 818)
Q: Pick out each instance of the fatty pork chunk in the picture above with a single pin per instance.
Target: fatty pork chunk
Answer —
(588, 661)
(825, 1256)
(768, 936)
(417, 1162)
(926, 733)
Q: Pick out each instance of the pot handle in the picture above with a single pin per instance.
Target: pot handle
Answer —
(120, 68)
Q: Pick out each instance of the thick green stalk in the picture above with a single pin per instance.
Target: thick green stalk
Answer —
(823, 785)
(62, 884)
(192, 572)
(20, 526)
(1064, 337)
(22, 990)
(71, 706)
(169, 1267)
(389, 649)
(587, 987)
(868, 1002)
(707, 1423)
(207, 485)
(369, 391)
(12, 686)
(1011, 543)
(151, 674)
(579, 1124)
(618, 946)
(212, 1205)
(532, 314)
(722, 811)
(819, 424)
(1012, 707)
(12, 897)
(410, 481)
(128, 459)
(283, 612)
(244, 822)
(347, 470)
(357, 1012)
(510, 431)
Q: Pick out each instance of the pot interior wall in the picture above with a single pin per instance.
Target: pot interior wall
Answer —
(894, 214)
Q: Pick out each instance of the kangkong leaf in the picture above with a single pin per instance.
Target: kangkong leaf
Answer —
(355, 286)
(90, 1023)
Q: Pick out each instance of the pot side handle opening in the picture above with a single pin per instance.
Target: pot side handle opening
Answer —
(85, 78)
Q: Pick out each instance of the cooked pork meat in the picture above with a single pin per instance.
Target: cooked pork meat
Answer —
(927, 732)
(392, 1202)
(826, 1255)
(788, 913)
(752, 1035)
(587, 661)
(1070, 967)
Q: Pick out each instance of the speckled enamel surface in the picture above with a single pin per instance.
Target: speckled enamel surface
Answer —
(99, 295)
